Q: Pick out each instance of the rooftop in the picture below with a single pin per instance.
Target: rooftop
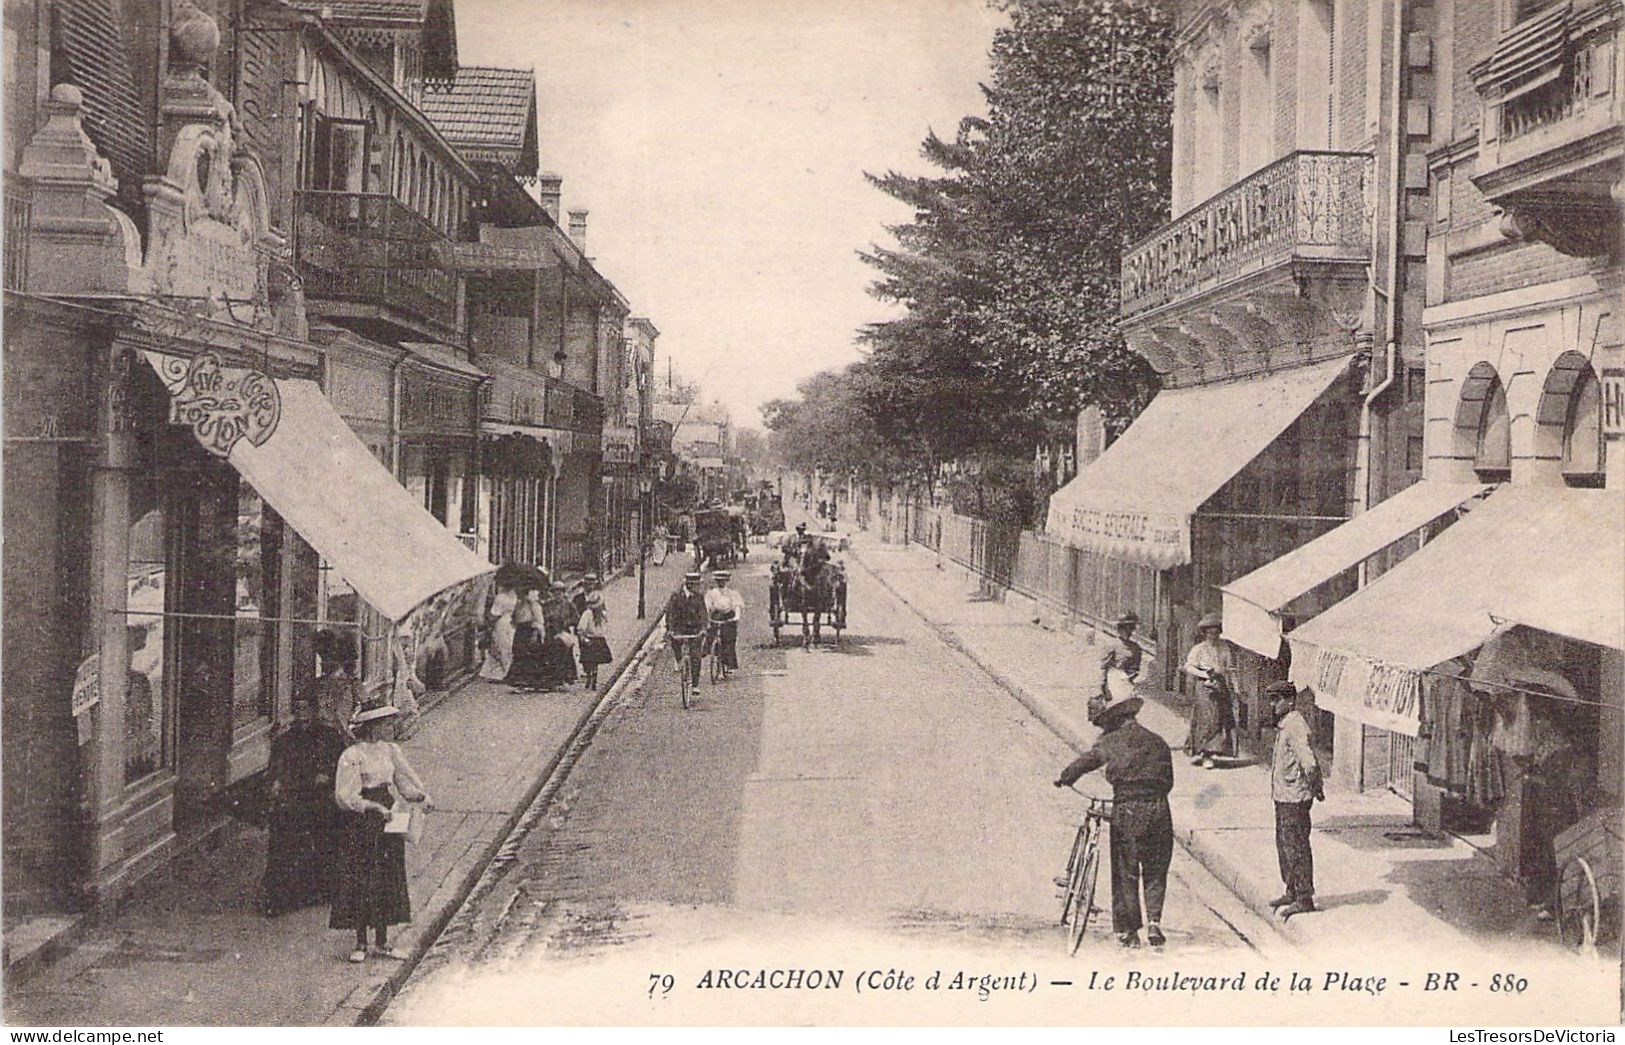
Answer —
(488, 110)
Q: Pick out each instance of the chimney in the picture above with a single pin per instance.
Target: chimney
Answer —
(549, 187)
(578, 230)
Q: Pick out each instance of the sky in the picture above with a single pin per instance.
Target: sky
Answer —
(720, 146)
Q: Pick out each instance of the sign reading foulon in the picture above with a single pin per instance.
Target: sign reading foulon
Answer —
(221, 404)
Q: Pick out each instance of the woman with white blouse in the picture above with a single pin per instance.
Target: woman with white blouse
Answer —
(372, 779)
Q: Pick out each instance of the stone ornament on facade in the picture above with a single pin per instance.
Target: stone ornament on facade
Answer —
(222, 404)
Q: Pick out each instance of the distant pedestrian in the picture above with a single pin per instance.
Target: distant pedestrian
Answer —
(528, 671)
(299, 847)
(1141, 771)
(1295, 786)
(372, 783)
(1121, 651)
(590, 635)
(559, 641)
(499, 642)
(338, 687)
(1213, 724)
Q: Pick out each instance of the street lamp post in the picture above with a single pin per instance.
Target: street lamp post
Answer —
(644, 486)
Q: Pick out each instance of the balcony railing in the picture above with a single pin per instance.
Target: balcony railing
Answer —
(371, 249)
(1307, 205)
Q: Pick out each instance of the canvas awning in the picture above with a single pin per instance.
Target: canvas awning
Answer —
(287, 441)
(1253, 604)
(1549, 557)
(1136, 500)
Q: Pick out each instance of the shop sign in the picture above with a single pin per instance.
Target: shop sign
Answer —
(1159, 540)
(1613, 402)
(86, 692)
(221, 404)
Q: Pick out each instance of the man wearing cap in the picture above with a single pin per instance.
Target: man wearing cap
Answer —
(1121, 651)
(1295, 786)
(1212, 665)
(723, 607)
(686, 622)
(1141, 771)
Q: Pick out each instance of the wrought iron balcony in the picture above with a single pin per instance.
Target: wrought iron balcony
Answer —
(1552, 138)
(1305, 207)
(369, 250)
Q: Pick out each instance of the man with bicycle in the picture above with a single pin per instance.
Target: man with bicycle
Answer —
(724, 606)
(685, 628)
(1141, 771)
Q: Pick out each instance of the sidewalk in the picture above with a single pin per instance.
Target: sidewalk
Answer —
(188, 947)
(1377, 876)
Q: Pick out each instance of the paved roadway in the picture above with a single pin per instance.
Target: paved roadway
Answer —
(878, 805)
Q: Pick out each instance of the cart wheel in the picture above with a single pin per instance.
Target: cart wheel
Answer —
(1577, 922)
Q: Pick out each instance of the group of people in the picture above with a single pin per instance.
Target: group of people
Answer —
(340, 789)
(1138, 765)
(545, 639)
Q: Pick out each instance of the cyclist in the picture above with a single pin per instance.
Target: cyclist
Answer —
(685, 628)
(724, 606)
(1141, 771)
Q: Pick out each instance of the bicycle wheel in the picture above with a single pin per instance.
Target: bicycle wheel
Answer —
(1069, 878)
(1577, 923)
(716, 667)
(1089, 873)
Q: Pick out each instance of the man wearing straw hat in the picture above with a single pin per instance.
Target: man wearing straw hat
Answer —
(1121, 651)
(1141, 771)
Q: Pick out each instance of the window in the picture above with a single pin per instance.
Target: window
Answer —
(1257, 105)
(146, 732)
(1582, 433)
(1416, 384)
(340, 156)
(1492, 458)
(1413, 453)
(256, 599)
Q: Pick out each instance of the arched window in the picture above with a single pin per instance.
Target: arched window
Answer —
(1484, 425)
(1568, 422)
(398, 170)
(420, 194)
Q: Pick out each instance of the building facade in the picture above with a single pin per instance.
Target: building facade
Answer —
(1275, 305)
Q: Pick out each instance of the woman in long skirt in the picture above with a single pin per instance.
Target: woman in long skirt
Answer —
(299, 849)
(528, 670)
(1213, 667)
(373, 777)
(558, 651)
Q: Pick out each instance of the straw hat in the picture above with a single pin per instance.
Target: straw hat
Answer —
(1126, 617)
(373, 712)
(1120, 701)
(1212, 620)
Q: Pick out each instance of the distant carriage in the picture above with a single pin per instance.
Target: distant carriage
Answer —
(714, 539)
(767, 516)
(814, 592)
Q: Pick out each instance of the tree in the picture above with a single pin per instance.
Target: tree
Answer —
(1009, 270)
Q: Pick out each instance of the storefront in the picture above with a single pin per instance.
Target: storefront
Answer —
(438, 426)
(1496, 648)
(1208, 483)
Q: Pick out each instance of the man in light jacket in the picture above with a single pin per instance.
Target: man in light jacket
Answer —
(1295, 786)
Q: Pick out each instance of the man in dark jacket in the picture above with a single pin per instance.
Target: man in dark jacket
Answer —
(686, 622)
(1141, 771)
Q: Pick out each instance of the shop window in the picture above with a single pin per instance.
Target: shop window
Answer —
(256, 598)
(146, 725)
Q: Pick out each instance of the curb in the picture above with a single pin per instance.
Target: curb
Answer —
(1189, 840)
(366, 1011)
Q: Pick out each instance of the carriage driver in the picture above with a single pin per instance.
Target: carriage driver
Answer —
(1141, 772)
(724, 606)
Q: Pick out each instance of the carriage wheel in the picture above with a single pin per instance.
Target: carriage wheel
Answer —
(1577, 921)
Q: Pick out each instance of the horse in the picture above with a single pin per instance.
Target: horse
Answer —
(817, 589)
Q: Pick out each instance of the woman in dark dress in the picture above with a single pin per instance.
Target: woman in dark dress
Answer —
(558, 652)
(373, 779)
(299, 852)
(529, 669)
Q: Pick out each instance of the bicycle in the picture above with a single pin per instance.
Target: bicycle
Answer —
(713, 641)
(685, 654)
(1083, 872)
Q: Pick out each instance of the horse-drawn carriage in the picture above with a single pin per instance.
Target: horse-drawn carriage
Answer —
(714, 540)
(766, 511)
(808, 583)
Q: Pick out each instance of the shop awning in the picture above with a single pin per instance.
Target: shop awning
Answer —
(1136, 500)
(1549, 557)
(299, 454)
(1253, 604)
